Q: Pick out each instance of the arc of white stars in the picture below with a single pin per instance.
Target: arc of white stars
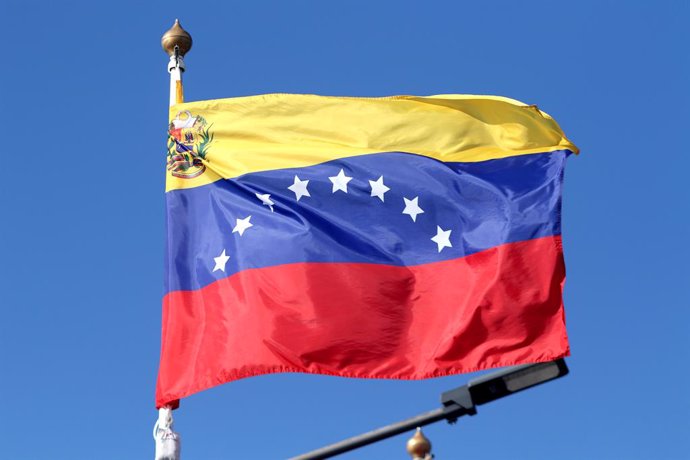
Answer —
(242, 225)
(442, 238)
(266, 200)
(221, 261)
(412, 208)
(299, 188)
(340, 181)
(378, 188)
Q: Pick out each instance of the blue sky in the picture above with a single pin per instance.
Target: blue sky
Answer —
(83, 99)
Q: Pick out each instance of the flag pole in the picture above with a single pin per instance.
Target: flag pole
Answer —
(176, 42)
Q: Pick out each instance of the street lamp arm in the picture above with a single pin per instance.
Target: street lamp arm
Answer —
(456, 403)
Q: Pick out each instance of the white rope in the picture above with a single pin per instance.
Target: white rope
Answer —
(167, 441)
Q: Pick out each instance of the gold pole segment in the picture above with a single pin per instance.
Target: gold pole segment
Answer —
(179, 92)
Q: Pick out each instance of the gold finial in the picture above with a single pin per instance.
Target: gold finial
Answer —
(418, 446)
(176, 36)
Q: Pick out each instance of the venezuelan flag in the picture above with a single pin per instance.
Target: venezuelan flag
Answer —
(402, 237)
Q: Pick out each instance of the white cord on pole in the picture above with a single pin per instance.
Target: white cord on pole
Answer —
(167, 441)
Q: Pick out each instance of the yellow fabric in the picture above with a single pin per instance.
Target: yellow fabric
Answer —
(276, 131)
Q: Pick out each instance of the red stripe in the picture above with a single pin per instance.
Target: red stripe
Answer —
(499, 307)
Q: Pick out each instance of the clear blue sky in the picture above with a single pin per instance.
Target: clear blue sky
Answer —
(83, 110)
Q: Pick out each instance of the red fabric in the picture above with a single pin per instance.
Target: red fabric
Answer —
(499, 307)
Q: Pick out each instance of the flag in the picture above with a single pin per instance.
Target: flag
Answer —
(401, 238)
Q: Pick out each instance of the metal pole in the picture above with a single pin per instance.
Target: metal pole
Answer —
(460, 404)
(456, 403)
(374, 436)
(176, 42)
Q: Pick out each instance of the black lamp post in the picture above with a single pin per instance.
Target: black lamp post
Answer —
(455, 403)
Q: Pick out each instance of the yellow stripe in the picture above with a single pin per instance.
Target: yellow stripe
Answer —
(277, 131)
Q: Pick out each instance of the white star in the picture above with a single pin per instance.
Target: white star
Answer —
(242, 225)
(266, 200)
(340, 181)
(412, 208)
(442, 238)
(299, 188)
(378, 188)
(221, 260)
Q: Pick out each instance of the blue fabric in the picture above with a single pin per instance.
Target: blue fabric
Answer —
(484, 204)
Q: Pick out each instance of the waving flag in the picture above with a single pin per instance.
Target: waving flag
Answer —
(402, 237)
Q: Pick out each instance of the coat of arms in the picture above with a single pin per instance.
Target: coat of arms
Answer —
(188, 142)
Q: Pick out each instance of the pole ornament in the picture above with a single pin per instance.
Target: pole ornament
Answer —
(176, 36)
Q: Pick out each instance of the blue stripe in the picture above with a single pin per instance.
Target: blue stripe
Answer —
(484, 204)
